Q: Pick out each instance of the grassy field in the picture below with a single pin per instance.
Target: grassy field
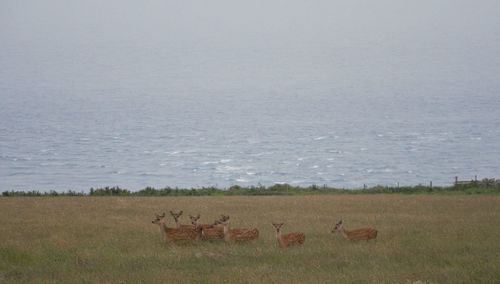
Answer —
(422, 238)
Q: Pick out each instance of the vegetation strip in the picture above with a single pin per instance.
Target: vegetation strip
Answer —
(485, 186)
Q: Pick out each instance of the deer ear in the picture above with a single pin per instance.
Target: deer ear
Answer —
(198, 216)
(181, 212)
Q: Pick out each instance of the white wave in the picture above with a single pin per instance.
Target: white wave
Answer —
(240, 179)
(224, 161)
(262, 154)
(228, 169)
(320, 138)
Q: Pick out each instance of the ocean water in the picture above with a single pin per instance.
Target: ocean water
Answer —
(191, 94)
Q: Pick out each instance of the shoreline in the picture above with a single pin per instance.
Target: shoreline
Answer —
(485, 186)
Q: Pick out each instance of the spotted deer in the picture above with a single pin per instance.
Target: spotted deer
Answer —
(212, 231)
(174, 234)
(357, 234)
(290, 239)
(239, 234)
(176, 217)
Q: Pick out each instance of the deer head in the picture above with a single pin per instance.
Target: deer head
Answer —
(176, 215)
(159, 219)
(278, 226)
(338, 226)
(194, 219)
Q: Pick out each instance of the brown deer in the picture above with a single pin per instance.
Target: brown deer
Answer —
(176, 217)
(212, 231)
(174, 234)
(290, 239)
(357, 234)
(240, 234)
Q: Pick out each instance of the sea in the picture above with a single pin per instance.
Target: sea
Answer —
(195, 94)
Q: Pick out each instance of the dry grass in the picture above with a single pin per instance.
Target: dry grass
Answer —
(422, 238)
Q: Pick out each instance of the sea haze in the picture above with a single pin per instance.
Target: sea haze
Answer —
(218, 93)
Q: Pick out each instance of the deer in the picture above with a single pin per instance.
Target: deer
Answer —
(357, 234)
(212, 231)
(174, 234)
(240, 234)
(176, 217)
(290, 239)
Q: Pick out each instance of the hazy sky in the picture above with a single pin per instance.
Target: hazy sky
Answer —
(171, 44)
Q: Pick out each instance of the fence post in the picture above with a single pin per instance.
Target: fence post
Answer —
(456, 181)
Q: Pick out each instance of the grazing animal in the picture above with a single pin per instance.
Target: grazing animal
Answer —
(194, 222)
(356, 234)
(174, 234)
(176, 217)
(239, 234)
(214, 231)
(290, 239)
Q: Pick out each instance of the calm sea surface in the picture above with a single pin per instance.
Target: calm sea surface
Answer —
(217, 99)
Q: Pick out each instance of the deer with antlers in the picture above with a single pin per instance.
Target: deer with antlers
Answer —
(175, 234)
(290, 239)
(239, 234)
(357, 234)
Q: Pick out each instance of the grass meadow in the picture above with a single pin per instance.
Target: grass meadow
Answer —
(422, 239)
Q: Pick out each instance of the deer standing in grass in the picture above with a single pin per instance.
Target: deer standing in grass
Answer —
(239, 234)
(214, 231)
(174, 234)
(290, 239)
(176, 217)
(356, 234)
